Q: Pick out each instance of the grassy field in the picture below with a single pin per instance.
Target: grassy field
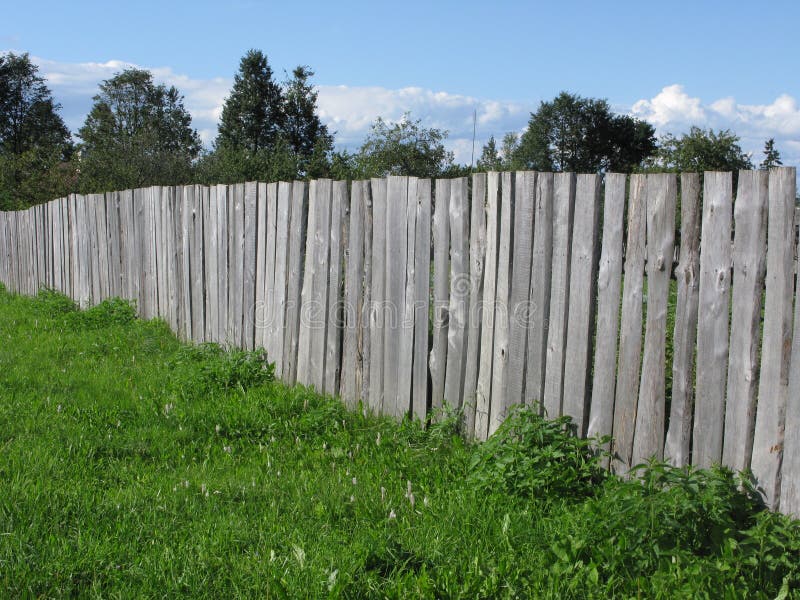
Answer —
(132, 465)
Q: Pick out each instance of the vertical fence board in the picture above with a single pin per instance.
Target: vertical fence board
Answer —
(564, 185)
(519, 301)
(648, 439)
(297, 235)
(773, 390)
(483, 393)
(249, 267)
(712, 334)
(350, 389)
(407, 321)
(211, 236)
(223, 271)
(422, 281)
(115, 245)
(198, 283)
(609, 284)
(160, 234)
(441, 289)
(260, 312)
(497, 411)
(186, 263)
(541, 273)
(677, 447)
(630, 339)
(377, 293)
(333, 327)
(749, 264)
(790, 469)
(366, 309)
(283, 220)
(455, 363)
(477, 260)
(272, 329)
(580, 326)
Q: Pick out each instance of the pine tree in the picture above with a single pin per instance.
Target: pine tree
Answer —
(490, 157)
(302, 127)
(772, 158)
(252, 117)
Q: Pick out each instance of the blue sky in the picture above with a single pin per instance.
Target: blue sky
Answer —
(714, 64)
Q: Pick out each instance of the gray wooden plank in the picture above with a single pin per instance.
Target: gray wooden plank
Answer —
(677, 447)
(311, 353)
(297, 238)
(790, 469)
(271, 328)
(377, 293)
(249, 266)
(395, 265)
(630, 339)
(749, 265)
(773, 390)
(519, 301)
(350, 389)
(714, 306)
(236, 304)
(198, 282)
(180, 253)
(366, 311)
(92, 209)
(564, 199)
(483, 393)
(582, 286)
(280, 283)
(609, 285)
(186, 238)
(162, 269)
(333, 328)
(456, 363)
(211, 244)
(260, 311)
(497, 411)
(539, 300)
(407, 321)
(477, 261)
(115, 251)
(209, 298)
(441, 290)
(223, 269)
(422, 289)
(648, 439)
(85, 250)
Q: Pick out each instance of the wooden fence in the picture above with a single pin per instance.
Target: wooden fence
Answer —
(404, 294)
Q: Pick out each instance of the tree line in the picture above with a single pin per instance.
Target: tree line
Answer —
(139, 133)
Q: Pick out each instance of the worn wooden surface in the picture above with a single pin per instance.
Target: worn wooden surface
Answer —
(333, 327)
(441, 290)
(749, 264)
(296, 277)
(677, 446)
(405, 358)
(377, 294)
(353, 298)
(648, 440)
(422, 262)
(630, 339)
(773, 390)
(609, 285)
(714, 305)
(582, 285)
(564, 204)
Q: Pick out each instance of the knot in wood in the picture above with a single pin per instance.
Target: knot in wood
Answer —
(660, 262)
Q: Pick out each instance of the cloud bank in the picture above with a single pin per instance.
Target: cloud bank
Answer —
(350, 110)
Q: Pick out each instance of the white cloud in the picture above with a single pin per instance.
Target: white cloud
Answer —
(673, 111)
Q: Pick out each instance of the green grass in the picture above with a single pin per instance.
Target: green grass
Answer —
(132, 465)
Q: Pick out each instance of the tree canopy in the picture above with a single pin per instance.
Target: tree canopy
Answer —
(702, 150)
(772, 158)
(34, 142)
(572, 133)
(137, 133)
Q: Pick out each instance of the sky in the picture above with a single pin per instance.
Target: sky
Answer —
(708, 63)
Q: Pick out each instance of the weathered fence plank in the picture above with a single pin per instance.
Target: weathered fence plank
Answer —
(712, 333)
(297, 235)
(377, 293)
(366, 310)
(648, 439)
(260, 311)
(396, 247)
(350, 388)
(407, 319)
(283, 221)
(749, 264)
(483, 394)
(630, 340)
(519, 306)
(422, 275)
(564, 186)
(583, 280)
(271, 329)
(250, 265)
(441, 289)
(477, 263)
(609, 284)
(677, 446)
(198, 307)
(333, 334)
(773, 390)
(497, 411)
